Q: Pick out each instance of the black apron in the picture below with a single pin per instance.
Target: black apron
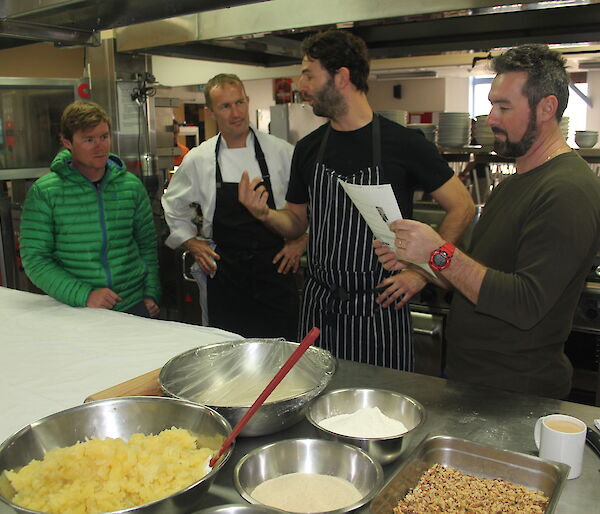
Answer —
(343, 271)
(247, 295)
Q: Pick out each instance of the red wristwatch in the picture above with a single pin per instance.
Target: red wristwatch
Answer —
(440, 259)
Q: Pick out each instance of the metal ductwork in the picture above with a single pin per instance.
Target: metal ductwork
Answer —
(269, 34)
(70, 22)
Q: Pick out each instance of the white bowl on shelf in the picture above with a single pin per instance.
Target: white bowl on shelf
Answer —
(586, 138)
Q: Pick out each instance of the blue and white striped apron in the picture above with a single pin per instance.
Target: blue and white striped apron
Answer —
(343, 271)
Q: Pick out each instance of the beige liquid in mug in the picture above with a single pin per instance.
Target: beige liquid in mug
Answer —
(561, 425)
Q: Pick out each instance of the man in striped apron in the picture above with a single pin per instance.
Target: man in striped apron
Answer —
(361, 309)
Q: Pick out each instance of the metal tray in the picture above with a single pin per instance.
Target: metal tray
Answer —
(475, 459)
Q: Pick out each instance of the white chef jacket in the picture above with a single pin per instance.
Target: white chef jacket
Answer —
(194, 181)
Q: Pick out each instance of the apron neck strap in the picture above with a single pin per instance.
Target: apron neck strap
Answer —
(376, 137)
(262, 163)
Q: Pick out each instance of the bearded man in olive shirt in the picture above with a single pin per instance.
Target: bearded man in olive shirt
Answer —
(532, 248)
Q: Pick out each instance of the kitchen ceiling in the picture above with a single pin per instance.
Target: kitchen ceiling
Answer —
(269, 33)
(79, 22)
(473, 29)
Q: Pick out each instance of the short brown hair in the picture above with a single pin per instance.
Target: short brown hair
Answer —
(81, 115)
(220, 80)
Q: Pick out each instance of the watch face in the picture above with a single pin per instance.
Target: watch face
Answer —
(440, 259)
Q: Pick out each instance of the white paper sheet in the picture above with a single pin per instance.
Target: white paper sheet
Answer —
(378, 206)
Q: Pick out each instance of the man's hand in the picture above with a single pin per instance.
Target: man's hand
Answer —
(290, 254)
(253, 195)
(386, 255)
(153, 309)
(104, 298)
(414, 240)
(400, 288)
(204, 255)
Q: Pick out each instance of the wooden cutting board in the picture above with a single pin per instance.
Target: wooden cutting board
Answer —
(144, 385)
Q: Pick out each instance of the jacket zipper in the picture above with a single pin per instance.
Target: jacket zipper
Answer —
(104, 235)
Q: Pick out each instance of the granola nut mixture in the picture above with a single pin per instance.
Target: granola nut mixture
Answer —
(448, 490)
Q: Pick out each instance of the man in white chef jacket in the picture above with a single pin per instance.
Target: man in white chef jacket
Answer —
(250, 290)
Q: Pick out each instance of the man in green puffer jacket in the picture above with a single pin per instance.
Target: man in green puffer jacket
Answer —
(87, 233)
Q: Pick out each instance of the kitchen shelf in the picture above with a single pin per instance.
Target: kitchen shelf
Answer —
(481, 154)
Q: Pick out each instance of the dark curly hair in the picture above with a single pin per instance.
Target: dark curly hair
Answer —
(546, 69)
(336, 49)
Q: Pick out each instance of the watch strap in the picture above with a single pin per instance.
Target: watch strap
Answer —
(441, 257)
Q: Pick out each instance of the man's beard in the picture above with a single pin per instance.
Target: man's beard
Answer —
(516, 149)
(328, 102)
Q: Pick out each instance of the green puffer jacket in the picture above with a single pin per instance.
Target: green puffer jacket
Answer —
(77, 237)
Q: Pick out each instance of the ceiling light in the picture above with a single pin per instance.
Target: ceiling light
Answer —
(589, 65)
(396, 74)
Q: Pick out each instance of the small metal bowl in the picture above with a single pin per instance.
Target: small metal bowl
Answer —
(207, 375)
(118, 418)
(392, 404)
(309, 456)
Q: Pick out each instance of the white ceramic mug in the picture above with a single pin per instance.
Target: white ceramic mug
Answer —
(561, 438)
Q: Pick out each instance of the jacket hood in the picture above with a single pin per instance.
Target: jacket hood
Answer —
(61, 166)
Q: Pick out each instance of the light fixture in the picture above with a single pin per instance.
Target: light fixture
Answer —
(589, 65)
(406, 74)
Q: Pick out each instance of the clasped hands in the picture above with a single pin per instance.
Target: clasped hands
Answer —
(414, 242)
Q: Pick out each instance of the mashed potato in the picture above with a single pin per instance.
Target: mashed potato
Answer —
(107, 475)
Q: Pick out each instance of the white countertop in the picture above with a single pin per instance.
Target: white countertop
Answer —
(52, 356)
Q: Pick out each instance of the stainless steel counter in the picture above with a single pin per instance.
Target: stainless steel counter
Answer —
(488, 416)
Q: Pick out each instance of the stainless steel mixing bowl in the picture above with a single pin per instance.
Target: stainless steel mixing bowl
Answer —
(394, 405)
(240, 509)
(309, 456)
(209, 374)
(120, 417)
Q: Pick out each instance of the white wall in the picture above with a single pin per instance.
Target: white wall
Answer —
(260, 92)
(171, 71)
(417, 95)
(421, 95)
(456, 94)
(593, 114)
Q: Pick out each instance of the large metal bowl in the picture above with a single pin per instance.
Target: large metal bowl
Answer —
(121, 417)
(213, 375)
(309, 456)
(392, 404)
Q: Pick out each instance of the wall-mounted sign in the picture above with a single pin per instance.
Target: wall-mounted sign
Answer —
(83, 90)
(283, 90)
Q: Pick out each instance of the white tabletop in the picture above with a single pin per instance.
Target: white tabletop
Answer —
(52, 356)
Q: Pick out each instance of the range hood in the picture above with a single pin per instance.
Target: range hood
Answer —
(269, 34)
(79, 22)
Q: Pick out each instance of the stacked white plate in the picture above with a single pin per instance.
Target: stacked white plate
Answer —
(454, 130)
(483, 132)
(428, 130)
(564, 126)
(399, 116)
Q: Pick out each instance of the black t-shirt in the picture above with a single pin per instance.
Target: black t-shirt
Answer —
(409, 160)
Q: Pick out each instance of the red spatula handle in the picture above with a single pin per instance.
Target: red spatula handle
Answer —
(298, 352)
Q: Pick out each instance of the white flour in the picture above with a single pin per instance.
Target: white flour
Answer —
(306, 492)
(366, 422)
